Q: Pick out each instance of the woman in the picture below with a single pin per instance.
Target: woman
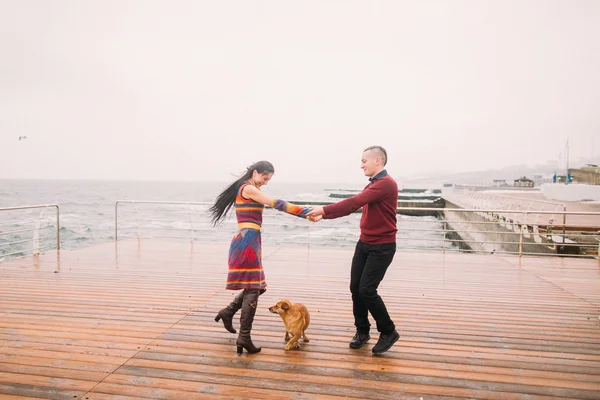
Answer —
(245, 261)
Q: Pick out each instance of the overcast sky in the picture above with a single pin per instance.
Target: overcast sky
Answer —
(198, 90)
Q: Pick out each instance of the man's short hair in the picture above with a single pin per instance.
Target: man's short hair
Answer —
(381, 151)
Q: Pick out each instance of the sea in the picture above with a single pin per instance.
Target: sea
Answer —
(90, 215)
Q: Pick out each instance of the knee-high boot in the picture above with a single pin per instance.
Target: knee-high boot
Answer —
(248, 311)
(227, 313)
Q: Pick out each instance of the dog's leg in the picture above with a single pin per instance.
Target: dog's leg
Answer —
(287, 336)
(304, 337)
(293, 343)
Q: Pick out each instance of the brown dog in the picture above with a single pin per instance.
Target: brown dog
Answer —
(295, 318)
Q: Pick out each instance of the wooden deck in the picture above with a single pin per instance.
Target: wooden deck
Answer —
(137, 322)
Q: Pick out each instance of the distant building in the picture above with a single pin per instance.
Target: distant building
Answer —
(499, 183)
(589, 174)
(523, 182)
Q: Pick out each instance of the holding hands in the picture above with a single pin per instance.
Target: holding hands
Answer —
(316, 214)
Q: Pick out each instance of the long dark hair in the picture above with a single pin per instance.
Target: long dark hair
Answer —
(227, 197)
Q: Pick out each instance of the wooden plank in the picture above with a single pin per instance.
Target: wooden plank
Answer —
(184, 392)
(51, 372)
(49, 382)
(244, 387)
(342, 374)
(59, 363)
(459, 371)
(279, 389)
(24, 391)
(325, 357)
(60, 355)
(14, 397)
(106, 396)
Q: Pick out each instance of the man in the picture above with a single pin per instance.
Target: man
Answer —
(375, 249)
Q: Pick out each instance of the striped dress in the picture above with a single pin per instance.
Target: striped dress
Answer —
(245, 258)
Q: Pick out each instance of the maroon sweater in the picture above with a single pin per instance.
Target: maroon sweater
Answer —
(378, 220)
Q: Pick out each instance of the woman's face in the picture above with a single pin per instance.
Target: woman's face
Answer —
(261, 179)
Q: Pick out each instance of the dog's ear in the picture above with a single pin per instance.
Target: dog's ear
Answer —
(285, 305)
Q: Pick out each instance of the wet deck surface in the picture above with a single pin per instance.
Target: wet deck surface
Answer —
(137, 322)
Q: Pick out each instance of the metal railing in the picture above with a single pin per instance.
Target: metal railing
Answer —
(476, 230)
(469, 198)
(36, 238)
(518, 236)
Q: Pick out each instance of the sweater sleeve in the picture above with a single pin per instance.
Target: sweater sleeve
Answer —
(372, 193)
(282, 205)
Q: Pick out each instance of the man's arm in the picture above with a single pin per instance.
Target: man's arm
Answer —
(374, 192)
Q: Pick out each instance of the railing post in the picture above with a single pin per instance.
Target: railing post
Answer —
(35, 248)
(445, 229)
(521, 238)
(137, 222)
(57, 227)
(191, 226)
(116, 220)
(564, 223)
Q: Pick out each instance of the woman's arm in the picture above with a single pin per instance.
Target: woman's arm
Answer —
(251, 192)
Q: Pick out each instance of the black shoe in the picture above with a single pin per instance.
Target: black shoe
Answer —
(359, 340)
(385, 342)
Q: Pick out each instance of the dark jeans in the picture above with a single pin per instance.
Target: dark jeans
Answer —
(369, 264)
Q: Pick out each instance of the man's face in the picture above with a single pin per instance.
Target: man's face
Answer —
(370, 163)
